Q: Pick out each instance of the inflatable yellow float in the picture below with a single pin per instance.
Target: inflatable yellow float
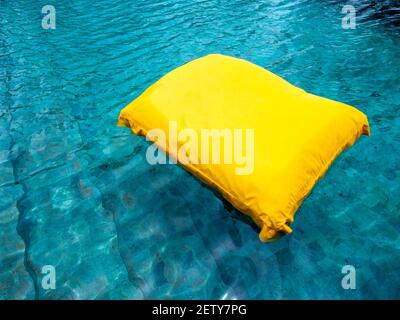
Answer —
(260, 141)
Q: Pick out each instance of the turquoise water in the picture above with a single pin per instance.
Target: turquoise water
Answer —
(77, 193)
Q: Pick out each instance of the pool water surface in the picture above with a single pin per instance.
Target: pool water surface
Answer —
(77, 193)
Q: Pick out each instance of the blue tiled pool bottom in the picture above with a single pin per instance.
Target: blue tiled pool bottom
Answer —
(78, 194)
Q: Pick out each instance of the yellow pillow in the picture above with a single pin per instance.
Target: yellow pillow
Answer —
(262, 142)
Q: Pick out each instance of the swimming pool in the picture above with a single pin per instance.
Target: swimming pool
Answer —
(78, 194)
